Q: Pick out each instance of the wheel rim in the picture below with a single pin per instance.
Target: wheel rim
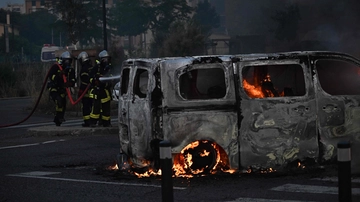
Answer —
(200, 159)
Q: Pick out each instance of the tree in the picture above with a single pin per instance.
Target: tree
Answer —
(35, 30)
(164, 13)
(207, 17)
(37, 27)
(184, 39)
(130, 17)
(82, 20)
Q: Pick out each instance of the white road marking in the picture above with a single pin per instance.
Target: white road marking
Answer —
(300, 188)
(263, 200)
(33, 144)
(335, 179)
(40, 175)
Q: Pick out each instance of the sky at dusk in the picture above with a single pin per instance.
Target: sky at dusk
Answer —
(4, 3)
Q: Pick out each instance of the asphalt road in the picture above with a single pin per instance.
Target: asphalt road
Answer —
(75, 168)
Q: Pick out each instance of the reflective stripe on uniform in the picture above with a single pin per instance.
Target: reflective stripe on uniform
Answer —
(87, 117)
(105, 118)
(95, 116)
(108, 98)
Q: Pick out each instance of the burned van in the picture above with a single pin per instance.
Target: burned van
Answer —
(240, 112)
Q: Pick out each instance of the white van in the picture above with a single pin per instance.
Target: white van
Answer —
(48, 52)
(253, 112)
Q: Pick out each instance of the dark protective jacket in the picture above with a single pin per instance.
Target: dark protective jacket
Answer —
(55, 78)
(97, 72)
(85, 72)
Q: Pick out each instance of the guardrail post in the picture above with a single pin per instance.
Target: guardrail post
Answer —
(166, 171)
(344, 171)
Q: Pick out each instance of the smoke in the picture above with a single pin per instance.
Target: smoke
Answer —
(324, 25)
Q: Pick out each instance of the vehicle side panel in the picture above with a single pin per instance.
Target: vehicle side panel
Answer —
(276, 131)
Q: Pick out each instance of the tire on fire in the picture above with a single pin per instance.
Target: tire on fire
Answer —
(200, 157)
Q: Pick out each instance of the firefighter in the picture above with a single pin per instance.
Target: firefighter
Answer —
(101, 91)
(86, 101)
(57, 86)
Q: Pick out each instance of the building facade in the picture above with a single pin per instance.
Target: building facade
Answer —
(20, 8)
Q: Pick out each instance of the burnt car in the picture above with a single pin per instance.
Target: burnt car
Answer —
(250, 112)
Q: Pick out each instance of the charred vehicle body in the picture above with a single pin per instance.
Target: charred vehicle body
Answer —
(240, 112)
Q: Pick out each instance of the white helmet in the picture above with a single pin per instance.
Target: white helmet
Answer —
(65, 55)
(65, 58)
(83, 57)
(104, 54)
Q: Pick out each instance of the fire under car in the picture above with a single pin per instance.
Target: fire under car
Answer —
(250, 112)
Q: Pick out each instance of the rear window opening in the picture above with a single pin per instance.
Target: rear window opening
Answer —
(141, 82)
(203, 84)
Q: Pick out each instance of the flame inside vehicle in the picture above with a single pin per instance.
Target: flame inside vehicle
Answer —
(252, 90)
(264, 89)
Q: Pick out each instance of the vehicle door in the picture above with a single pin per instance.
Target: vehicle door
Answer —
(139, 115)
(123, 108)
(337, 84)
(278, 109)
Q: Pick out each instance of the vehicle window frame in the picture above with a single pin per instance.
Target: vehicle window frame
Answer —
(337, 76)
(273, 63)
(136, 88)
(182, 71)
(125, 86)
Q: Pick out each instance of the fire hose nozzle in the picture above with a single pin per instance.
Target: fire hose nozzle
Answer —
(109, 78)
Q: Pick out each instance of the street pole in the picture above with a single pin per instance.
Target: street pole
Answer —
(344, 171)
(104, 26)
(166, 171)
(7, 49)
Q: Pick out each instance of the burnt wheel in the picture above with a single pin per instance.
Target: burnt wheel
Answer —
(201, 158)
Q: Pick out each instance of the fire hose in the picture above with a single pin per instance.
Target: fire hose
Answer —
(68, 90)
(41, 92)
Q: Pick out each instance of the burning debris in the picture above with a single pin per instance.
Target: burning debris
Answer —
(185, 171)
(198, 158)
(113, 167)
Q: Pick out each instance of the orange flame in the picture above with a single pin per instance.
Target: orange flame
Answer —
(258, 91)
(113, 167)
(148, 173)
(253, 91)
(300, 165)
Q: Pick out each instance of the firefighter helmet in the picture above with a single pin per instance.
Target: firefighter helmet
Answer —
(65, 55)
(104, 54)
(105, 60)
(83, 57)
(65, 58)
